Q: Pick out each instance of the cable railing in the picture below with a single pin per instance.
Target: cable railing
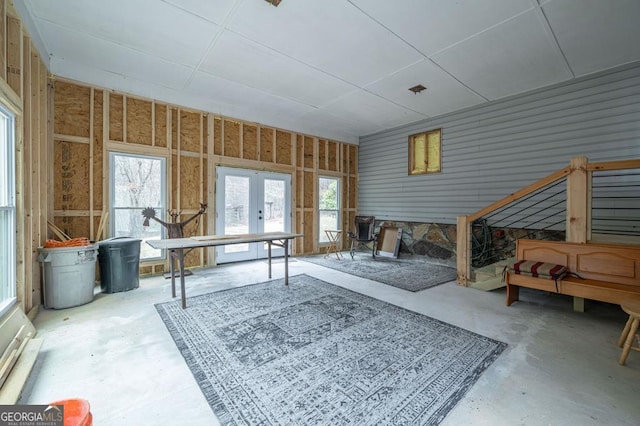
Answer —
(539, 215)
(615, 204)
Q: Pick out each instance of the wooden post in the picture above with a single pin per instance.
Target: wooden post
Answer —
(577, 201)
(463, 238)
(578, 209)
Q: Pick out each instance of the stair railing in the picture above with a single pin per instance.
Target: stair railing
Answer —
(583, 222)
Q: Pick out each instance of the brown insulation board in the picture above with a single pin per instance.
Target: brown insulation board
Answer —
(231, 138)
(333, 156)
(322, 154)
(300, 188)
(353, 159)
(73, 226)
(3, 61)
(299, 242)
(309, 232)
(97, 151)
(72, 105)
(266, 144)
(14, 67)
(353, 186)
(70, 176)
(283, 147)
(204, 131)
(190, 230)
(205, 187)
(116, 109)
(300, 150)
(174, 128)
(173, 189)
(217, 136)
(190, 131)
(190, 178)
(308, 152)
(309, 190)
(161, 125)
(250, 142)
(146, 270)
(139, 121)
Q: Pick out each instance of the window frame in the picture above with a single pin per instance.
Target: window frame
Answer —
(160, 210)
(338, 209)
(9, 204)
(412, 153)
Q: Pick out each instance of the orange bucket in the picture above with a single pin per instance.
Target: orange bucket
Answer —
(76, 412)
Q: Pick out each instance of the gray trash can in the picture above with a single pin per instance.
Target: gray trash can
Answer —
(69, 275)
(119, 260)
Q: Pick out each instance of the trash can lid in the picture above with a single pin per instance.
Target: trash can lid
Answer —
(66, 249)
(118, 241)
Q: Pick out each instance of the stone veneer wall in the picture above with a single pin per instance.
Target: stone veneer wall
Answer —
(438, 241)
(434, 240)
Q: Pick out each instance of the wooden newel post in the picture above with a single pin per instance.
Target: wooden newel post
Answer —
(578, 184)
(578, 209)
(463, 248)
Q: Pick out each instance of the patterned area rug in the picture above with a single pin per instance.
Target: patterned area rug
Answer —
(314, 353)
(409, 273)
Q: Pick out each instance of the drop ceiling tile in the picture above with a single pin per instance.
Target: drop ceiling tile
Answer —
(214, 11)
(114, 58)
(431, 25)
(513, 57)
(444, 93)
(331, 35)
(237, 59)
(368, 111)
(594, 34)
(151, 26)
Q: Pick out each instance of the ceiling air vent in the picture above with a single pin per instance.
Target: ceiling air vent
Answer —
(417, 89)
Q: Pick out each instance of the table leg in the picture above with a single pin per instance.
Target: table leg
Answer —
(269, 251)
(172, 254)
(286, 262)
(181, 265)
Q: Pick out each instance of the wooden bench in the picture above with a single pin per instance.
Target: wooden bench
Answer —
(609, 272)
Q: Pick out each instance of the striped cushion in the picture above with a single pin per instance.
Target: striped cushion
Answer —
(539, 269)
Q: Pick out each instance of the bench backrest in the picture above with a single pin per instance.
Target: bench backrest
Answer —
(604, 262)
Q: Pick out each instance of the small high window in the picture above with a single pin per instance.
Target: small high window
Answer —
(424, 152)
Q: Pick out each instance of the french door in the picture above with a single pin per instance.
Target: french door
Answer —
(248, 202)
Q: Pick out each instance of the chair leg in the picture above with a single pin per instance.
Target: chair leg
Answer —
(353, 249)
(629, 341)
(625, 332)
(373, 250)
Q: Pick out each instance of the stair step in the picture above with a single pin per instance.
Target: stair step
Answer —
(488, 285)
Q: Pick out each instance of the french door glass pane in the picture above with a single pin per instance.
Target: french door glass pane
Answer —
(274, 202)
(236, 218)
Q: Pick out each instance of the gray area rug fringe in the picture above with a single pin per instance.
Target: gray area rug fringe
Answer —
(412, 273)
(314, 353)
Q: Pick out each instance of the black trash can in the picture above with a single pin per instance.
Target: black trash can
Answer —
(119, 261)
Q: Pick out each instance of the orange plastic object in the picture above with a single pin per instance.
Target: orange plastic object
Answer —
(76, 412)
(74, 242)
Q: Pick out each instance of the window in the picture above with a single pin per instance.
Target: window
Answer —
(424, 152)
(329, 206)
(7, 210)
(137, 182)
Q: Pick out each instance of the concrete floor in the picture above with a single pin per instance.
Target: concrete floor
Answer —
(561, 367)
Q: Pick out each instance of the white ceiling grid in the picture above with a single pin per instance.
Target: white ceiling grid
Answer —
(333, 68)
